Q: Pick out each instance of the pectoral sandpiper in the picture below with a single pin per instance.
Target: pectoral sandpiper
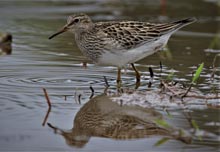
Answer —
(118, 43)
(103, 117)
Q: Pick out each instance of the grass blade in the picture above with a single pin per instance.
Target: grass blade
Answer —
(162, 123)
(198, 72)
(195, 125)
(161, 141)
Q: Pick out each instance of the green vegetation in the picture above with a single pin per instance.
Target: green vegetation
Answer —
(161, 141)
(198, 72)
(162, 123)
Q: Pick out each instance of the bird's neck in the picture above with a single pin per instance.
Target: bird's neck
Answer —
(81, 32)
(85, 27)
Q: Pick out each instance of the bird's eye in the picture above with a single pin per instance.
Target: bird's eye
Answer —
(76, 20)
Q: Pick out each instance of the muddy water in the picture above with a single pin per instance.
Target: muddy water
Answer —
(56, 65)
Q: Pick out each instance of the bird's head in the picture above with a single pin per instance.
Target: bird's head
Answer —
(75, 23)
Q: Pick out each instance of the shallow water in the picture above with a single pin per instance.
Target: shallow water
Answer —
(56, 65)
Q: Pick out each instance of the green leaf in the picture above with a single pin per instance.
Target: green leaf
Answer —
(194, 124)
(198, 72)
(162, 123)
(161, 141)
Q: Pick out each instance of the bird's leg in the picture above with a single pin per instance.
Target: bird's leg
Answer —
(119, 78)
(138, 76)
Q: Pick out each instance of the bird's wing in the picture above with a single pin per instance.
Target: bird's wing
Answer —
(128, 127)
(132, 34)
(128, 35)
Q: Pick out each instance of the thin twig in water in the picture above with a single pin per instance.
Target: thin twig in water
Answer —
(151, 77)
(54, 128)
(106, 81)
(92, 92)
(151, 72)
(161, 67)
(79, 98)
(47, 97)
(187, 91)
(171, 90)
(149, 84)
(187, 95)
(49, 106)
(106, 85)
(46, 116)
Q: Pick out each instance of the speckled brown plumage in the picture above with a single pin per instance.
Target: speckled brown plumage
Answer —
(101, 117)
(119, 43)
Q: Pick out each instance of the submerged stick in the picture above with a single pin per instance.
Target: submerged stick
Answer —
(187, 91)
(171, 90)
(49, 106)
(46, 116)
(151, 72)
(106, 82)
(151, 77)
(79, 98)
(187, 95)
(47, 97)
(161, 67)
(92, 91)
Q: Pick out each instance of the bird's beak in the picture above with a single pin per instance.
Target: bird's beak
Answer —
(64, 29)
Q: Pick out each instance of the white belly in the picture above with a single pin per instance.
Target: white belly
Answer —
(122, 57)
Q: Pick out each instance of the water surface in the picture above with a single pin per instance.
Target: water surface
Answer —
(56, 65)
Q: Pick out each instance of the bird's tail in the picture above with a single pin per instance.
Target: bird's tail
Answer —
(184, 22)
(174, 26)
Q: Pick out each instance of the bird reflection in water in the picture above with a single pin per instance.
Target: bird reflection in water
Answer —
(101, 117)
